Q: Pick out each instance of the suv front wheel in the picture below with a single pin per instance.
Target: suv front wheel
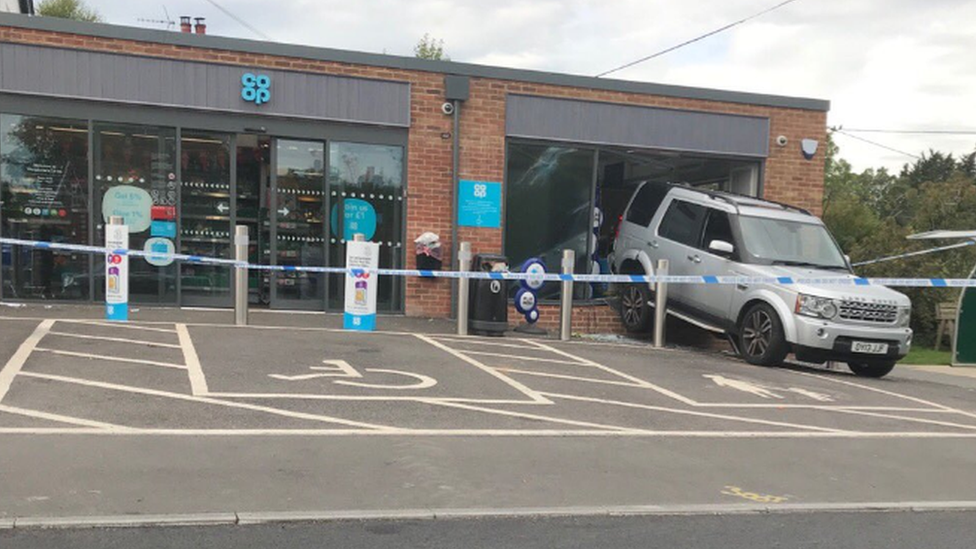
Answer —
(871, 369)
(762, 340)
(635, 309)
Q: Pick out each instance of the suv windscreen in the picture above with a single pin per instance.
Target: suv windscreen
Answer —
(647, 201)
(682, 223)
(784, 242)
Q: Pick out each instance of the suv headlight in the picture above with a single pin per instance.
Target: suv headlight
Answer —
(904, 315)
(817, 307)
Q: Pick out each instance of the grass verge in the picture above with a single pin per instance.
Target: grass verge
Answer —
(926, 356)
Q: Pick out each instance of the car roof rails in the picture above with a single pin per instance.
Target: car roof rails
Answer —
(743, 200)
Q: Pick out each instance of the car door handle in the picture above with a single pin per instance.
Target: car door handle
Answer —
(696, 258)
(652, 243)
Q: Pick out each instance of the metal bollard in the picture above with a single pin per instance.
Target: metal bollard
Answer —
(241, 241)
(660, 303)
(566, 299)
(464, 265)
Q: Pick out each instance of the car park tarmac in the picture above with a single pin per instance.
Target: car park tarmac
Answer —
(171, 417)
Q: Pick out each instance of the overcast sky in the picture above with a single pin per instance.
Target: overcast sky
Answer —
(887, 64)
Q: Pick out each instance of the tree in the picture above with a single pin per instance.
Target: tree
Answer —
(870, 213)
(430, 48)
(68, 9)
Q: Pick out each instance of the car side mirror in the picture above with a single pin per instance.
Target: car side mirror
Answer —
(721, 247)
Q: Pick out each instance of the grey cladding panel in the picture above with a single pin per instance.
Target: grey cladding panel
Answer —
(164, 82)
(634, 126)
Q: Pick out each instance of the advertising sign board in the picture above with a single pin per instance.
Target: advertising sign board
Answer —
(360, 307)
(117, 273)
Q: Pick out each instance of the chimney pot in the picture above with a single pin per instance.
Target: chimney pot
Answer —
(201, 27)
(185, 25)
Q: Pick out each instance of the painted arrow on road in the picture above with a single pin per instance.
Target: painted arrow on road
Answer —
(765, 392)
(744, 386)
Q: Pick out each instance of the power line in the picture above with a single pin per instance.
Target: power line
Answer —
(876, 144)
(239, 20)
(696, 39)
(922, 132)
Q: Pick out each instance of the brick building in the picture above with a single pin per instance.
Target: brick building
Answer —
(307, 145)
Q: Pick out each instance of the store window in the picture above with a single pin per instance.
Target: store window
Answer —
(548, 206)
(300, 221)
(205, 216)
(366, 185)
(135, 178)
(44, 191)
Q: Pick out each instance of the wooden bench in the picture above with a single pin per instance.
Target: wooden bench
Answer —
(945, 313)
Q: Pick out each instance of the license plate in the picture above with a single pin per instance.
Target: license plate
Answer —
(869, 348)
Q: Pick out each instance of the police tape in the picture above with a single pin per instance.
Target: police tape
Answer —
(845, 280)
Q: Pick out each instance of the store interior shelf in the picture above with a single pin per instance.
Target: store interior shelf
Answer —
(201, 240)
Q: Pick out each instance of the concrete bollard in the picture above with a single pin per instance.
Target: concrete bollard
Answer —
(241, 242)
(566, 299)
(660, 303)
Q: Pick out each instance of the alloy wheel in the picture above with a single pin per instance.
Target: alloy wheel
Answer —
(757, 333)
(632, 303)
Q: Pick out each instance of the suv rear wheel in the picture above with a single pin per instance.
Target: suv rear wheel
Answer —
(871, 369)
(635, 309)
(762, 340)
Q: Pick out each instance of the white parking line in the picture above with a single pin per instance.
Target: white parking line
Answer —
(506, 433)
(207, 400)
(481, 341)
(62, 419)
(368, 398)
(116, 339)
(694, 413)
(111, 358)
(534, 395)
(641, 382)
(16, 362)
(833, 379)
(526, 358)
(570, 378)
(905, 418)
(122, 325)
(536, 417)
(198, 381)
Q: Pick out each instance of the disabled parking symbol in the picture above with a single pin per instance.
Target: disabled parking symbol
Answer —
(345, 372)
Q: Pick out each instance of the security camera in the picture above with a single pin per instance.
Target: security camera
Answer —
(782, 141)
(447, 108)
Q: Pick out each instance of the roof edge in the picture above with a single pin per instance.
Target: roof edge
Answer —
(103, 30)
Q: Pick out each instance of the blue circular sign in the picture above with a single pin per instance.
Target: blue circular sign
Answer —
(161, 251)
(536, 268)
(359, 216)
(524, 300)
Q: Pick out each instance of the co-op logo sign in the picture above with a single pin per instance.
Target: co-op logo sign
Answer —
(256, 88)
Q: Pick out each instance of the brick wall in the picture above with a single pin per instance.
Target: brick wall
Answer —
(594, 318)
(788, 177)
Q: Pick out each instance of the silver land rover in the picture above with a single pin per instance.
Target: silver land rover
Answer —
(704, 233)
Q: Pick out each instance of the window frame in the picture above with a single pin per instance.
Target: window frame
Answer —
(733, 236)
(697, 231)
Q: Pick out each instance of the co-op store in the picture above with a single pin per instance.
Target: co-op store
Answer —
(193, 134)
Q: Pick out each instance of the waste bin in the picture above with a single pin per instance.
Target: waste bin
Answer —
(488, 299)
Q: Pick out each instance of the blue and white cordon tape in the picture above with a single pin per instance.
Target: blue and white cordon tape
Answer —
(548, 277)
